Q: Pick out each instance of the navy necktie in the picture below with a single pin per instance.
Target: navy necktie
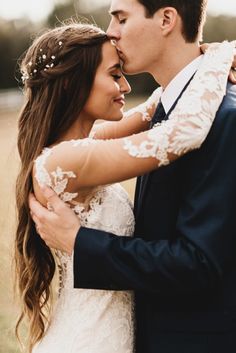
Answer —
(157, 118)
(159, 115)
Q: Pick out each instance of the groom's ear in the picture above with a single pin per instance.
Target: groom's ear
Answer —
(169, 20)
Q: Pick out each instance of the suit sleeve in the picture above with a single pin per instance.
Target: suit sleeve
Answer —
(203, 246)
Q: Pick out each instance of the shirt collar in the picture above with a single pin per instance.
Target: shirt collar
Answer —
(175, 87)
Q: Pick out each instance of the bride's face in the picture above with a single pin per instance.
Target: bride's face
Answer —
(107, 97)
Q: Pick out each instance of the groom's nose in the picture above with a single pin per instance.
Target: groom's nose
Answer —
(113, 31)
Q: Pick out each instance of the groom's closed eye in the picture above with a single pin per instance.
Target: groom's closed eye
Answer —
(121, 20)
(120, 16)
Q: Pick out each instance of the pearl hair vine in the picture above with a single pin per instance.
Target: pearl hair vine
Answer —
(32, 70)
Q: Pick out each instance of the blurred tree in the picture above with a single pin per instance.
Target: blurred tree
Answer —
(220, 28)
(15, 37)
(73, 10)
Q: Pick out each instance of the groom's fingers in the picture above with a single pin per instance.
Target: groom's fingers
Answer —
(54, 203)
(36, 209)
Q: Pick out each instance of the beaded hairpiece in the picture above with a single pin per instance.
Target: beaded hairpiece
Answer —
(32, 71)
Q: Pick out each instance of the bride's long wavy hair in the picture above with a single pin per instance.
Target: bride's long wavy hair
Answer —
(58, 72)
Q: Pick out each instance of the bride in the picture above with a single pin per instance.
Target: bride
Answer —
(72, 77)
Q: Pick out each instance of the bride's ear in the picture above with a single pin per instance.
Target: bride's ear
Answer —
(169, 20)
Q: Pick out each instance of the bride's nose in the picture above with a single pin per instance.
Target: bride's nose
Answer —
(124, 85)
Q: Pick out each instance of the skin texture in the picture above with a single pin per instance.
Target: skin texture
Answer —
(136, 38)
(61, 219)
(106, 100)
(149, 44)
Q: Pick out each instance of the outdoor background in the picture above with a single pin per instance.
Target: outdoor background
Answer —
(20, 22)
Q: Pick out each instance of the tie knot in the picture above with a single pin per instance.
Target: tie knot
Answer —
(159, 114)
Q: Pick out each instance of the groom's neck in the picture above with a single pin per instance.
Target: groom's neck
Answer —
(174, 59)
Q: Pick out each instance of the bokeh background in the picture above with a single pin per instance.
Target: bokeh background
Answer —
(20, 22)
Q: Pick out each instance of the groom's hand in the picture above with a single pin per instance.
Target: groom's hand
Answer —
(57, 225)
(232, 74)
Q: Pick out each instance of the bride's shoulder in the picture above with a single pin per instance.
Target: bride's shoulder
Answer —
(57, 166)
(59, 149)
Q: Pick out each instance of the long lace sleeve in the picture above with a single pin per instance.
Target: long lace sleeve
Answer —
(97, 162)
(190, 122)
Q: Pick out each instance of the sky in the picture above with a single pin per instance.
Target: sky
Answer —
(38, 10)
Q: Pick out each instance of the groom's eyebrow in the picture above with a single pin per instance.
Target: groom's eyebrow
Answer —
(116, 13)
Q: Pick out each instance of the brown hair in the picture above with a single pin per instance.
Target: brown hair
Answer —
(58, 71)
(192, 13)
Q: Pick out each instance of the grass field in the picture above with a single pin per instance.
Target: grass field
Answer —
(8, 171)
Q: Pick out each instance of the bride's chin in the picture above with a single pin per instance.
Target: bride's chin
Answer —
(117, 116)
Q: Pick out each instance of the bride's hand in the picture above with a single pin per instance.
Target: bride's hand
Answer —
(232, 73)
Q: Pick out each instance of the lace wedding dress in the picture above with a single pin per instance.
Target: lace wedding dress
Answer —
(89, 321)
(98, 321)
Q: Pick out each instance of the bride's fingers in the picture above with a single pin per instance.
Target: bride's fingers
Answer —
(204, 47)
(234, 61)
(232, 75)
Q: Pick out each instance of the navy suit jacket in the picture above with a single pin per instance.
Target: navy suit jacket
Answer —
(181, 262)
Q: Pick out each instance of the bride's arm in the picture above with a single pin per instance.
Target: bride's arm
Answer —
(138, 118)
(82, 164)
(134, 121)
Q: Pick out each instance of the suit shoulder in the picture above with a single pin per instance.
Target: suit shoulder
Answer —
(229, 101)
(226, 116)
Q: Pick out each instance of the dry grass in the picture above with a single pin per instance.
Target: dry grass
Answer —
(8, 163)
(8, 172)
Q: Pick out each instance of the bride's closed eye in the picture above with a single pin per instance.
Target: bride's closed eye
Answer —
(116, 77)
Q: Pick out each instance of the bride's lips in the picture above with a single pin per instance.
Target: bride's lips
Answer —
(120, 100)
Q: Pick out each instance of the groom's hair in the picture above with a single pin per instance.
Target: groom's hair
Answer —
(192, 13)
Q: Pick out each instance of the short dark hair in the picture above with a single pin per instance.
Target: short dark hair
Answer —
(192, 13)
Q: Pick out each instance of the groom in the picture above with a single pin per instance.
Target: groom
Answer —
(182, 259)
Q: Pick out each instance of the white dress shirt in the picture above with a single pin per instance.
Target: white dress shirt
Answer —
(175, 87)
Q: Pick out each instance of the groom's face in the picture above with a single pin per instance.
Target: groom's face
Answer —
(138, 38)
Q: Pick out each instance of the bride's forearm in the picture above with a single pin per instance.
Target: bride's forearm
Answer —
(130, 125)
(97, 163)
(134, 121)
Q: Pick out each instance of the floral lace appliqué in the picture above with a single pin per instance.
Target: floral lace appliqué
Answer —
(190, 122)
(58, 180)
(88, 320)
